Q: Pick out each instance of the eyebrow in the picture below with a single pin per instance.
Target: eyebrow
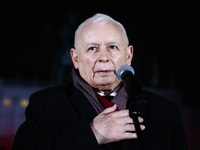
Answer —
(92, 43)
(97, 44)
(112, 43)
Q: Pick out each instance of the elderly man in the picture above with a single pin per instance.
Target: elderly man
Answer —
(79, 116)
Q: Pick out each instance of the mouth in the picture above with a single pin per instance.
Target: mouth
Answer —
(104, 72)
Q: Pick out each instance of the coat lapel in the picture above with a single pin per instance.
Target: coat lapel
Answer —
(82, 105)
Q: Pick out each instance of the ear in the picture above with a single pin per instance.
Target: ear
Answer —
(74, 56)
(129, 54)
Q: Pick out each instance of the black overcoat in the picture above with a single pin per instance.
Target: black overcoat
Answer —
(58, 118)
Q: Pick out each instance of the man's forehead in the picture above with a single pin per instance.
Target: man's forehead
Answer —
(101, 32)
(98, 41)
(98, 33)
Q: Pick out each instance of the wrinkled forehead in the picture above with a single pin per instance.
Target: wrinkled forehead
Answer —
(101, 31)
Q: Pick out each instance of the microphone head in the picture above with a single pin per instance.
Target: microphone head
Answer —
(122, 69)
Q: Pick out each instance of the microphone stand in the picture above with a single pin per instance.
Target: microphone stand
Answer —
(134, 91)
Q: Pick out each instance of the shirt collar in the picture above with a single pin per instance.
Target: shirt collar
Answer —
(114, 93)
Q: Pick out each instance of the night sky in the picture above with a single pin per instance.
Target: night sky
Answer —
(165, 37)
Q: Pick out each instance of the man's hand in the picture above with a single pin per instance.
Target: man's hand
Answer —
(111, 126)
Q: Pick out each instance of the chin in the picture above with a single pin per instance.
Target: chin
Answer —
(105, 82)
(106, 85)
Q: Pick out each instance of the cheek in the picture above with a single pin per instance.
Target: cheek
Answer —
(86, 66)
(86, 63)
(119, 61)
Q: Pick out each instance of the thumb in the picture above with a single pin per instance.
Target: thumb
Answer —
(110, 109)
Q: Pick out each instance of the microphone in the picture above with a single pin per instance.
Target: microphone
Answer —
(123, 70)
(126, 73)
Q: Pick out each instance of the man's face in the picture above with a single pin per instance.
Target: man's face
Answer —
(101, 49)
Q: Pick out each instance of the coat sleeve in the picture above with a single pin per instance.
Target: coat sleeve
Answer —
(36, 132)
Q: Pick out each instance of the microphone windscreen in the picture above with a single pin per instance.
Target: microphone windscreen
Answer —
(122, 69)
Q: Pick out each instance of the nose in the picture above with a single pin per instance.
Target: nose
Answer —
(104, 56)
(103, 59)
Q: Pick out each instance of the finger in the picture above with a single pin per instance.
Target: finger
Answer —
(129, 128)
(129, 135)
(142, 127)
(140, 119)
(128, 120)
(110, 109)
(122, 113)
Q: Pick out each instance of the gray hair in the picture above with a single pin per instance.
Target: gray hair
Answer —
(99, 19)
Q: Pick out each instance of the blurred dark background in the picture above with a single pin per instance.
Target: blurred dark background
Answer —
(37, 36)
